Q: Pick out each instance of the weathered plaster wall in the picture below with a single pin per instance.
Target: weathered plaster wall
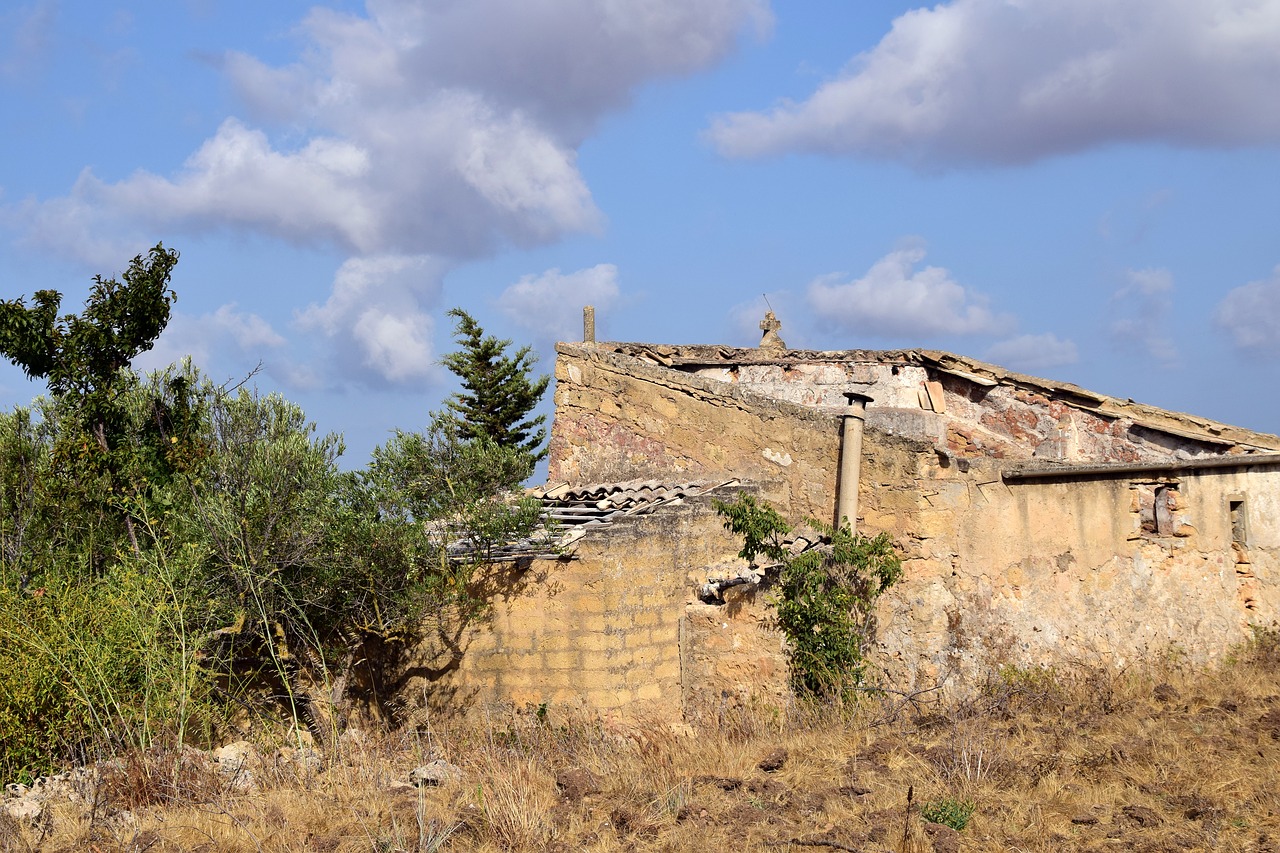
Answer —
(598, 632)
(1100, 569)
(1035, 573)
(1044, 571)
(965, 417)
(620, 419)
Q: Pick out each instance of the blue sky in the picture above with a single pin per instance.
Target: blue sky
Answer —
(1087, 190)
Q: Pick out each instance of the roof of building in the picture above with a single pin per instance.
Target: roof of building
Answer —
(691, 356)
(596, 504)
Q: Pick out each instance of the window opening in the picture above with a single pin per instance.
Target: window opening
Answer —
(1239, 521)
(1166, 503)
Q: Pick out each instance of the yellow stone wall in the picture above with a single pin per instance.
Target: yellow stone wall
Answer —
(995, 572)
(618, 418)
(599, 632)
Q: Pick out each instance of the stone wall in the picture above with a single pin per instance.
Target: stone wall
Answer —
(618, 418)
(977, 418)
(1109, 570)
(1094, 570)
(734, 656)
(1109, 567)
(597, 632)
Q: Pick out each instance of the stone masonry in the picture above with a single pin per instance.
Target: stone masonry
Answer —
(1039, 524)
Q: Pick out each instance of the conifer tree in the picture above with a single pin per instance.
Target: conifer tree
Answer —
(498, 390)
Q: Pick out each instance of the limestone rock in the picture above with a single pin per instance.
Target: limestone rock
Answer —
(238, 762)
(302, 759)
(435, 774)
(576, 783)
(27, 809)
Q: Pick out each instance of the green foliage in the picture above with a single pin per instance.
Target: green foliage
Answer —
(85, 359)
(83, 355)
(167, 545)
(826, 596)
(949, 812)
(498, 391)
(94, 664)
(456, 492)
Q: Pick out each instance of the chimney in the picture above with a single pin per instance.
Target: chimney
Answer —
(850, 459)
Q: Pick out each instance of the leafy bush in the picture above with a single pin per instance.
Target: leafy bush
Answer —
(90, 665)
(949, 812)
(827, 595)
(167, 544)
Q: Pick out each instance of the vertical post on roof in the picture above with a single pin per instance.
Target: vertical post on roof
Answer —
(589, 324)
(850, 459)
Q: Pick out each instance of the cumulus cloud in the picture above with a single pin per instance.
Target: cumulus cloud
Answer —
(376, 319)
(416, 128)
(1034, 352)
(1141, 307)
(998, 81)
(1250, 315)
(896, 299)
(550, 305)
(205, 336)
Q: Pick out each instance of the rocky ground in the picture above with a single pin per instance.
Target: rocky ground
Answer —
(1167, 759)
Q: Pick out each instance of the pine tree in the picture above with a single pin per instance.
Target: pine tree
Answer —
(498, 390)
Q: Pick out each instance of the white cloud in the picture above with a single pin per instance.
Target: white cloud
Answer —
(1141, 308)
(896, 299)
(1011, 81)
(414, 133)
(27, 37)
(445, 128)
(1033, 352)
(375, 319)
(1250, 314)
(1146, 283)
(550, 305)
(208, 335)
(249, 331)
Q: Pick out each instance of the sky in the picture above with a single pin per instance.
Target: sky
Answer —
(1085, 190)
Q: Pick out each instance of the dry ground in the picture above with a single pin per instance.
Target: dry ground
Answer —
(1083, 759)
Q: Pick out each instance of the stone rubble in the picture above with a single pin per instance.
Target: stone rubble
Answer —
(435, 774)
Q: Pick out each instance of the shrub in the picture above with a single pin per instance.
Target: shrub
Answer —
(948, 812)
(827, 594)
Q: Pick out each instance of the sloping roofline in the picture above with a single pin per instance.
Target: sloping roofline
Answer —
(976, 372)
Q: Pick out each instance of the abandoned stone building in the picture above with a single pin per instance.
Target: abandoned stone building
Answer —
(1039, 523)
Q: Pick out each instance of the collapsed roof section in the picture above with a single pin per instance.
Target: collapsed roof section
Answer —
(819, 378)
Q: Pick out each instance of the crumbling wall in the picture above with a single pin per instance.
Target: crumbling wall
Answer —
(1111, 569)
(618, 418)
(972, 416)
(735, 657)
(599, 632)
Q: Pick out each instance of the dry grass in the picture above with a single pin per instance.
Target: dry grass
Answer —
(1085, 759)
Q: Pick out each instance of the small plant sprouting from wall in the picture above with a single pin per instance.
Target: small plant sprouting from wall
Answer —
(827, 594)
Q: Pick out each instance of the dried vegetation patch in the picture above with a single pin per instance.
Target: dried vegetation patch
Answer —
(1078, 759)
